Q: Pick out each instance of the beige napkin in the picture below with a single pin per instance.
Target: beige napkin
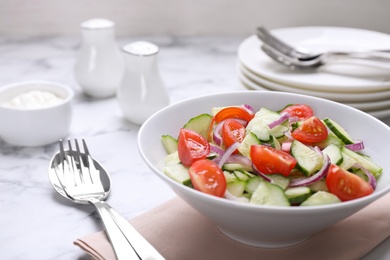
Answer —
(179, 232)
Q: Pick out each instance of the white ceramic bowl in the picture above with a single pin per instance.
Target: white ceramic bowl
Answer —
(35, 126)
(266, 226)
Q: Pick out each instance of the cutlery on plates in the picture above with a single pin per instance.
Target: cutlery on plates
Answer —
(78, 177)
(295, 58)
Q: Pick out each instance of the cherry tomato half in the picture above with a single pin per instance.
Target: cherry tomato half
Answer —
(207, 177)
(299, 110)
(345, 185)
(269, 160)
(191, 146)
(232, 132)
(233, 112)
(310, 131)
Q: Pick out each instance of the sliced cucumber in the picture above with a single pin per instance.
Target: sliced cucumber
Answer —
(330, 139)
(308, 160)
(252, 184)
(200, 124)
(245, 146)
(318, 186)
(172, 159)
(269, 194)
(274, 142)
(297, 195)
(235, 167)
(348, 161)
(334, 153)
(170, 143)
(375, 169)
(259, 125)
(236, 188)
(321, 198)
(241, 176)
(279, 180)
(338, 131)
(229, 176)
(178, 173)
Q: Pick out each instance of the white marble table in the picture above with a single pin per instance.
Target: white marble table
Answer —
(35, 222)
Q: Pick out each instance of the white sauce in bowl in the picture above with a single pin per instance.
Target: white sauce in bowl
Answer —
(34, 99)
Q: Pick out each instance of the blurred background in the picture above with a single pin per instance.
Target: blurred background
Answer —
(189, 17)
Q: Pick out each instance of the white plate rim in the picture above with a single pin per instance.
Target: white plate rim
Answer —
(350, 99)
(252, 57)
(246, 82)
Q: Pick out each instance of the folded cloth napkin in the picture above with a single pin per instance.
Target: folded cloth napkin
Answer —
(179, 232)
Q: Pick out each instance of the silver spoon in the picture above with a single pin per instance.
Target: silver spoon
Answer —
(126, 241)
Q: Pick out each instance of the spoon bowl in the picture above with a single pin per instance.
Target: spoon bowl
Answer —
(104, 177)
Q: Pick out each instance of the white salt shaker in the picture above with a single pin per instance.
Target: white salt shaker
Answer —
(99, 65)
(142, 91)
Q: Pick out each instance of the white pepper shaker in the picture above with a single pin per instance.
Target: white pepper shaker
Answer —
(143, 91)
(99, 65)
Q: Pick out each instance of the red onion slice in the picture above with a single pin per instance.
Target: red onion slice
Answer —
(371, 178)
(286, 146)
(314, 178)
(217, 138)
(227, 154)
(248, 108)
(356, 146)
(216, 149)
(283, 117)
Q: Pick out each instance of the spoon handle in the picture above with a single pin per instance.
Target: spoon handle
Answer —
(121, 245)
(143, 248)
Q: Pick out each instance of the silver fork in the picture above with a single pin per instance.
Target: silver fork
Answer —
(79, 176)
(269, 39)
(295, 58)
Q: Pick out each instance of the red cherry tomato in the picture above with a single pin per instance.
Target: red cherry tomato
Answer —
(269, 160)
(345, 185)
(310, 131)
(232, 132)
(191, 146)
(233, 112)
(299, 110)
(207, 177)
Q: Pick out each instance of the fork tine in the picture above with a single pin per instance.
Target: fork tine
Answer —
(268, 38)
(75, 165)
(93, 172)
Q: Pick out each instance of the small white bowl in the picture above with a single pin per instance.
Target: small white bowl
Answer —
(266, 226)
(35, 126)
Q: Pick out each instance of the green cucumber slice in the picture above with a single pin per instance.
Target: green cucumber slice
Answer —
(334, 153)
(178, 173)
(252, 184)
(269, 194)
(321, 198)
(245, 147)
(338, 131)
(259, 125)
(169, 143)
(297, 195)
(236, 188)
(200, 124)
(375, 169)
(318, 186)
(308, 161)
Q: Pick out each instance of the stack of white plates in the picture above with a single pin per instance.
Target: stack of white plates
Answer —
(365, 88)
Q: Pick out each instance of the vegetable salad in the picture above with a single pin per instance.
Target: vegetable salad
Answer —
(288, 157)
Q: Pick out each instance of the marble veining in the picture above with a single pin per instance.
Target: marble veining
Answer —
(35, 222)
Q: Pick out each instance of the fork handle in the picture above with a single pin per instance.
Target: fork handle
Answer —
(143, 248)
(121, 245)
